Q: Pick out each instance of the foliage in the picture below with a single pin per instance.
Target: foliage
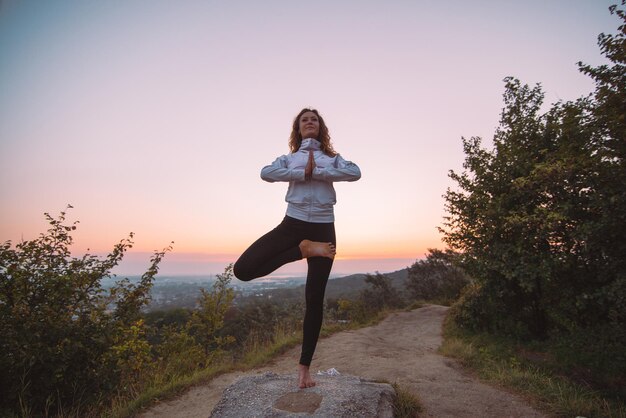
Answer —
(381, 294)
(474, 308)
(539, 220)
(65, 339)
(131, 352)
(438, 277)
(353, 310)
(186, 340)
(206, 321)
(256, 321)
(178, 352)
(158, 320)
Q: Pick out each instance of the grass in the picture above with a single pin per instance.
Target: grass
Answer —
(405, 403)
(497, 361)
(161, 390)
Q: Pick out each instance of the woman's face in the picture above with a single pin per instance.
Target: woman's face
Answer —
(309, 125)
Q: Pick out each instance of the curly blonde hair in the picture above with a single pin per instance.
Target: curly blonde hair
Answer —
(295, 139)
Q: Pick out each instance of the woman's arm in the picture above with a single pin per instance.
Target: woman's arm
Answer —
(278, 171)
(341, 170)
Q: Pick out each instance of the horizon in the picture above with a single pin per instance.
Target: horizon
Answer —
(181, 265)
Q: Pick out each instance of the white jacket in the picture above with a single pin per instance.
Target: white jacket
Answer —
(312, 200)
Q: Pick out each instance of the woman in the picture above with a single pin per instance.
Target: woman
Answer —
(308, 229)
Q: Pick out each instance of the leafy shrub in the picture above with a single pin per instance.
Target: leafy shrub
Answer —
(469, 310)
(178, 354)
(256, 321)
(353, 310)
(66, 339)
(437, 277)
(207, 321)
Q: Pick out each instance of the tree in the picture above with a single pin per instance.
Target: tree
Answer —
(609, 134)
(436, 277)
(539, 220)
(63, 334)
(382, 294)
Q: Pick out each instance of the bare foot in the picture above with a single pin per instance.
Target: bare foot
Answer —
(304, 377)
(317, 249)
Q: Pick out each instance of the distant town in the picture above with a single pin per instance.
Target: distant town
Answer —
(170, 292)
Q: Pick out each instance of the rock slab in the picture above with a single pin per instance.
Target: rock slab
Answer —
(271, 396)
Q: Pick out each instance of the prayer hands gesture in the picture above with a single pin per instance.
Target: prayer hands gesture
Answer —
(308, 171)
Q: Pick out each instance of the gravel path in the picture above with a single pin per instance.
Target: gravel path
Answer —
(400, 349)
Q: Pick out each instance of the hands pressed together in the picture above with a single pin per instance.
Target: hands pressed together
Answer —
(308, 171)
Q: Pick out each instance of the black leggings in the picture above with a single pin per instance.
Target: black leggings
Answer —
(281, 246)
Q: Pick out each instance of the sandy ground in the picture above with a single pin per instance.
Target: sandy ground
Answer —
(400, 349)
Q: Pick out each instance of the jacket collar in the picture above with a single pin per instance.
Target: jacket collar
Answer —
(310, 144)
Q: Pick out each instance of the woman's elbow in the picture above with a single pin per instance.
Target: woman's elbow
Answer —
(265, 176)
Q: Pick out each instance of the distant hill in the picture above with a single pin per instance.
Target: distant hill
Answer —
(347, 287)
(350, 286)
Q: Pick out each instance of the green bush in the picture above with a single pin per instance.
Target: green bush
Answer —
(66, 340)
(207, 321)
(178, 354)
(438, 277)
(256, 320)
(354, 310)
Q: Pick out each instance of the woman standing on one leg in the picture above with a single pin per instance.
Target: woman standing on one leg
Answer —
(308, 229)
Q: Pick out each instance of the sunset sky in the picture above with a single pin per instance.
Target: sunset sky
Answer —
(156, 116)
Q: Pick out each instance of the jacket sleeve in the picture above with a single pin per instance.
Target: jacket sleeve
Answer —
(341, 170)
(278, 171)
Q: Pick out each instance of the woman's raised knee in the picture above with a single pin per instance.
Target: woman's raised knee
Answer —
(242, 273)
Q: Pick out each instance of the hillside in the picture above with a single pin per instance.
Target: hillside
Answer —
(347, 287)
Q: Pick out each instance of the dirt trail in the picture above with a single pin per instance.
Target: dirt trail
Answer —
(401, 349)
